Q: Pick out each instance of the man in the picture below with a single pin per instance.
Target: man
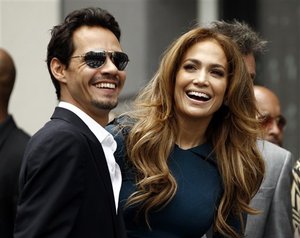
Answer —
(273, 122)
(69, 181)
(13, 141)
(273, 198)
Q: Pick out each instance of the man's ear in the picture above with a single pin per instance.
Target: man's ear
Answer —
(58, 69)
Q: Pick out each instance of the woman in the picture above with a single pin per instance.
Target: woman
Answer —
(188, 150)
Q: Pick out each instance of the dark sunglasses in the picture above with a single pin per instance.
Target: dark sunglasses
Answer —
(95, 59)
(267, 120)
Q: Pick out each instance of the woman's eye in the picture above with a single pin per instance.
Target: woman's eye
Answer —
(219, 73)
(189, 67)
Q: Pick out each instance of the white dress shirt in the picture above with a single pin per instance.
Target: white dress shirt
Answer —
(108, 143)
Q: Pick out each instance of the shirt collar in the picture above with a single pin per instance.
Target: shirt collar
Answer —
(102, 135)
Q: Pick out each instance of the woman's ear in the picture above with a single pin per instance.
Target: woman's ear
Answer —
(58, 69)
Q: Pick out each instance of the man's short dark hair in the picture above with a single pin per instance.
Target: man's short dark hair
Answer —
(242, 34)
(61, 43)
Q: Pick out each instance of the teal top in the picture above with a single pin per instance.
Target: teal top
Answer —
(191, 212)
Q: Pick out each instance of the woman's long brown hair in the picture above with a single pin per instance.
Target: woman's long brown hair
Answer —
(233, 132)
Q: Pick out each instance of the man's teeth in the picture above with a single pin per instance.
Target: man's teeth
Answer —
(106, 85)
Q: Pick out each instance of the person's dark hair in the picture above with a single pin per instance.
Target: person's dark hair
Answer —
(242, 34)
(61, 43)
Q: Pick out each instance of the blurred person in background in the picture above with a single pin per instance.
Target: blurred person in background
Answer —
(13, 141)
(273, 122)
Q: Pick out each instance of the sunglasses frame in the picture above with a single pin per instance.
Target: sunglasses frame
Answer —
(90, 58)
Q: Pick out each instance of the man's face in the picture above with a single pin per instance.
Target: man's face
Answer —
(270, 114)
(93, 90)
(250, 65)
(268, 106)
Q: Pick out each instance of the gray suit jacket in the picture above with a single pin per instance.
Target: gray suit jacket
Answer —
(274, 196)
(297, 233)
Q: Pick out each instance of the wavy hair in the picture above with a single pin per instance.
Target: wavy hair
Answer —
(233, 132)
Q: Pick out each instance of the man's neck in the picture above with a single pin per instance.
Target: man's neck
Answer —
(3, 115)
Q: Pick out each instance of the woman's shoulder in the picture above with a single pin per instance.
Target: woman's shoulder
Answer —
(119, 127)
(120, 124)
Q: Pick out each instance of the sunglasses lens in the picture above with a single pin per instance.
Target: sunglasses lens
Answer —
(267, 121)
(120, 60)
(281, 122)
(95, 59)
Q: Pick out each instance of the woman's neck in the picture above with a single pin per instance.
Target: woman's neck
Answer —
(190, 134)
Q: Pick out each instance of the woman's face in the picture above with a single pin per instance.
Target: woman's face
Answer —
(201, 81)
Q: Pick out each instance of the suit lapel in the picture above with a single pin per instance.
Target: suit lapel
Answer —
(99, 159)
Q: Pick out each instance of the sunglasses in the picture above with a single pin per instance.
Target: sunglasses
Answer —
(95, 59)
(267, 121)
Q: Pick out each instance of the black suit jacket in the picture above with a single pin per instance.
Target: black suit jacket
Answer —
(65, 186)
(12, 146)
